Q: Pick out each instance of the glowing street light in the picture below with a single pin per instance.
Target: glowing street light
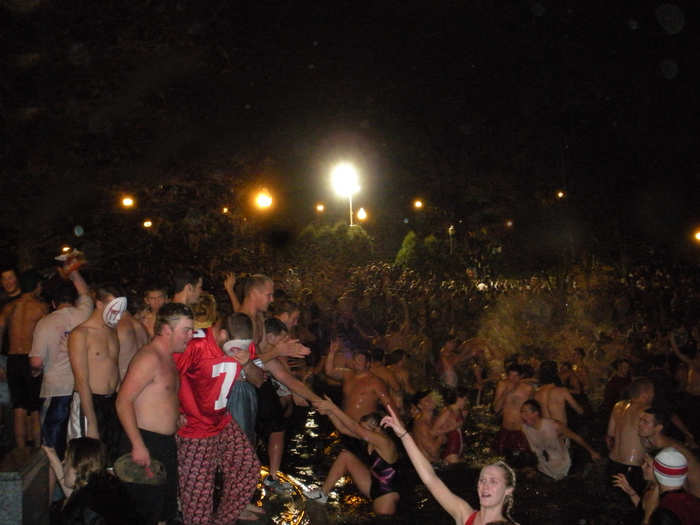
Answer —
(224, 210)
(147, 223)
(320, 208)
(263, 199)
(696, 235)
(418, 204)
(128, 201)
(65, 248)
(345, 183)
(509, 223)
(361, 214)
(560, 194)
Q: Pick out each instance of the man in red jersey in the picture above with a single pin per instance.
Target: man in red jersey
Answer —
(210, 440)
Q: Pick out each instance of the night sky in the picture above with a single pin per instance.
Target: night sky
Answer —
(482, 108)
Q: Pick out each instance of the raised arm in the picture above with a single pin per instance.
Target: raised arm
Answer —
(229, 283)
(140, 374)
(459, 509)
(78, 353)
(329, 366)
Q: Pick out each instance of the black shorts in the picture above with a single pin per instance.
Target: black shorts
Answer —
(270, 412)
(159, 502)
(54, 426)
(634, 474)
(24, 389)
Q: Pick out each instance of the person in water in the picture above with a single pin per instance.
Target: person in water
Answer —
(376, 474)
(495, 486)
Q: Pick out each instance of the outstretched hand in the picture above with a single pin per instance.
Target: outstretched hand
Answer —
(393, 421)
(229, 282)
(325, 405)
(293, 348)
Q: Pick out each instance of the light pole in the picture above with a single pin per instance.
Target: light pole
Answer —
(344, 181)
(451, 233)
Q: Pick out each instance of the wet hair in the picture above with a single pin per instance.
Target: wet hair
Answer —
(29, 280)
(514, 367)
(549, 373)
(377, 354)
(509, 500)
(274, 326)
(87, 456)
(639, 386)
(661, 417)
(239, 326)
(395, 356)
(170, 314)
(64, 293)
(285, 306)
(183, 277)
(534, 405)
(104, 290)
(373, 418)
(156, 286)
(253, 282)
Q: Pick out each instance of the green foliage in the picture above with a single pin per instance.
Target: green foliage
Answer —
(421, 255)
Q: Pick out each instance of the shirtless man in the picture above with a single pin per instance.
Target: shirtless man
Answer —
(148, 408)
(429, 439)
(362, 390)
(10, 285)
(154, 297)
(93, 348)
(625, 446)
(553, 397)
(132, 335)
(650, 429)
(21, 317)
(398, 369)
(511, 393)
(382, 372)
(187, 286)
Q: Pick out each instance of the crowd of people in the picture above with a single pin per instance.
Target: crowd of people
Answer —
(152, 404)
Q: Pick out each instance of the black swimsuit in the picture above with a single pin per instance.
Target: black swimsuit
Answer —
(383, 476)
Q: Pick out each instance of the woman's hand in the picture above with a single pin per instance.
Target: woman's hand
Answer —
(620, 481)
(393, 421)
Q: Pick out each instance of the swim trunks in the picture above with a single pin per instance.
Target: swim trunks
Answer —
(24, 389)
(54, 424)
(108, 425)
(454, 445)
(270, 412)
(384, 476)
(243, 406)
(156, 502)
(510, 440)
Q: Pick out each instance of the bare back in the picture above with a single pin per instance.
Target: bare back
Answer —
(552, 398)
(27, 313)
(627, 447)
(361, 394)
(157, 406)
(132, 335)
(511, 407)
(427, 441)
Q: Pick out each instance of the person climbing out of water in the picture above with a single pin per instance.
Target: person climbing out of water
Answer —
(495, 486)
(376, 473)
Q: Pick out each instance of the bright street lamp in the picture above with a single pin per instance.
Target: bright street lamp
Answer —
(263, 200)
(344, 181)
(147, 223)
(127, 201)
(320, 208)
(418, 204)
(561, 194)
(361, 214)
(696, 235)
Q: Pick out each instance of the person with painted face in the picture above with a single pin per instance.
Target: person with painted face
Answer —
(93, 348)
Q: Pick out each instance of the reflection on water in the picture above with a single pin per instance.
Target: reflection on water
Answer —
(584, 498)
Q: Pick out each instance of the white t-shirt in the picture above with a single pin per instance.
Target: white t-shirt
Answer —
(51, 344)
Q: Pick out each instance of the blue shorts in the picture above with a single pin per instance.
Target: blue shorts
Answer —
(54, 424)
(243, 406)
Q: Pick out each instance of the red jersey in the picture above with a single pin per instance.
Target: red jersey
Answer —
(206, 378)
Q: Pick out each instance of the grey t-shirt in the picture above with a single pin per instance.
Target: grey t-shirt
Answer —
(51, 344)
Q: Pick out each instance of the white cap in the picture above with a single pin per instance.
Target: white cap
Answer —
(670, 468)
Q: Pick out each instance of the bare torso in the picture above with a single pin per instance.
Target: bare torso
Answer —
(157, 406)
(102, 356)
(553, 401)
(132, 335)
(402, 378)
(27, 313)
(386, 375)
(627, 446)
(427, 441)
(148, 319)
(360, 394)
(511, 407)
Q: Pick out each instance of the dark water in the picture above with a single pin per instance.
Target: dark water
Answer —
(584, 497)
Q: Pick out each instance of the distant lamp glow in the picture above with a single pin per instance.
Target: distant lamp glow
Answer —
(263, 199)
(320, 208)
(345, 182)
(509, 223)
(224, 210)
(696, 235)
(361, 214)
(561, 194)
(127, 201)
(147, 223)
(418, 204)
(65, 248)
